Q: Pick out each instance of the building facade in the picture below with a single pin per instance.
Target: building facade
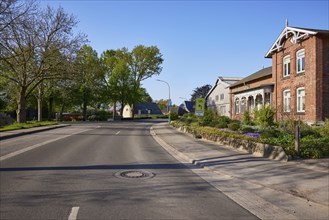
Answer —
(253, 91)
(300, 72)
(218, 98)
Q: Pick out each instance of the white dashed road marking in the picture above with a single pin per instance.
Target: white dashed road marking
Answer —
(74, 213)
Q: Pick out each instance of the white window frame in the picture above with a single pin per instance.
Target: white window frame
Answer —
(300, 99)
(286, 100)
(286, 66)
(242, 104)
(300, 58)
(237, 106)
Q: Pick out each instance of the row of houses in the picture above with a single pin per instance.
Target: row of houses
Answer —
(296, 85)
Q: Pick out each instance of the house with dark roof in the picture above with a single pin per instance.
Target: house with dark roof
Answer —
(253, 91)
(142, 109)
(218, 98)
(300, 71)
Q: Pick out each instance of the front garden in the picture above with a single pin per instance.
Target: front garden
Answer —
(260, 127)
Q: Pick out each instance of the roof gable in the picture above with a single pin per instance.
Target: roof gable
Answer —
(226, 80)
(297, 35)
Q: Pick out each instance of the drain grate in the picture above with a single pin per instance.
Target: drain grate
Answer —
(134, 174)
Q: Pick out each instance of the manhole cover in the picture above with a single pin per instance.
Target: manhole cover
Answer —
(134, 174)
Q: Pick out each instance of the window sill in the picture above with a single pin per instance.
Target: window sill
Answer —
(286, 77)
(300, 74)
(300, 113)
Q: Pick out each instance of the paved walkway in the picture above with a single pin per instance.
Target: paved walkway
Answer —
(297, 189)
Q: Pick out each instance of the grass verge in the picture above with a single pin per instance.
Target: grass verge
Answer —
(29, 124)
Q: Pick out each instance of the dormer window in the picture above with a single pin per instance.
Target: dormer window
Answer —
(286, 66)
(300, 61)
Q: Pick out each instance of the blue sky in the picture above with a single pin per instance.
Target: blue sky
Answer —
(199, 40)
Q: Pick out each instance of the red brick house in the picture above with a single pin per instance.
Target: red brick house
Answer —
(300, 72)
(297, 84)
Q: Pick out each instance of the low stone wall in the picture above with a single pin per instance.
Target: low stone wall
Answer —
(257, 149)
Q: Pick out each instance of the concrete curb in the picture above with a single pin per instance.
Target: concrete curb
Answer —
(16, 133)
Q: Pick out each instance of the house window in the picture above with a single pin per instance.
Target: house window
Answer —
(222, 110)
(301, 99)
(242, 105)
(286, 100)
(217, 97)
(286, 66)
(301, 61)
(221, 96)
(236, 107)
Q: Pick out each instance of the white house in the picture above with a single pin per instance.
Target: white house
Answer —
(218, 98)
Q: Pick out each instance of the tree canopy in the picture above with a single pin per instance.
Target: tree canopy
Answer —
(200, 92)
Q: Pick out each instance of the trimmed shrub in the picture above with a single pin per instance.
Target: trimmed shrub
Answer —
(234, 126)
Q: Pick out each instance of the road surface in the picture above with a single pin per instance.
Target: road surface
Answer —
(112, 170)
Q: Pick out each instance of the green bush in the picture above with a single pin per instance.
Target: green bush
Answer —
(270, 133)
(247, 129)
(324, 130)
(246, 118)
(103, 115)
(173, 116)
(208, 118)
(265, 116)
(234, 126)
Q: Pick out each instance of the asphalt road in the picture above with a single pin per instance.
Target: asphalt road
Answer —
(110, 170)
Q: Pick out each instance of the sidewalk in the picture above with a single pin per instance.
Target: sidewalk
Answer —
(269, 189)
(20, 132)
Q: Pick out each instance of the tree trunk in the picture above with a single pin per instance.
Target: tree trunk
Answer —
(84, 111)
(51, 99)
(114, 110)
(21, 106)
(61, 111)
(39, 98)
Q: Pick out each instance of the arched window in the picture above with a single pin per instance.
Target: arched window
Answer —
(236, 106)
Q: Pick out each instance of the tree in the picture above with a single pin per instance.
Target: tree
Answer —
(121, 84)
(12, 10)
(144, 63)
(200, 92)
(89, 75)
(28, 47)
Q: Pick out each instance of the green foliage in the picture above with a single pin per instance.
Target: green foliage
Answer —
(265, 116)
(246, 118)
(270, 133)
(200, 92)
(189, 118)
(247, 129)
(314, 147)
(208, 117)
(173, 116)
(29, 124)
(234, 125)
(324, 130)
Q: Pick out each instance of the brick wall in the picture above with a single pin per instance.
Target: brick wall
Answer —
(314, 79)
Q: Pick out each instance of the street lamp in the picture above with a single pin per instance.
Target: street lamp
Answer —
(169, 101)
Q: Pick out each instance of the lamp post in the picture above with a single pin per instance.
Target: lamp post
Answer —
(169, 101)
